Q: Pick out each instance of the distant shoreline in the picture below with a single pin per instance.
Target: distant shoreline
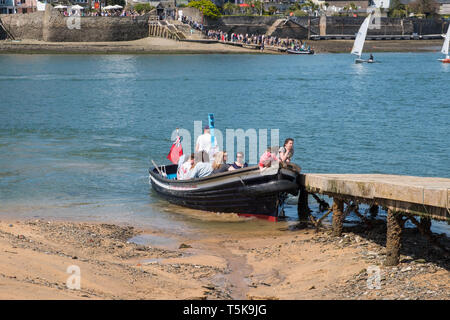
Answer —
(166, 46)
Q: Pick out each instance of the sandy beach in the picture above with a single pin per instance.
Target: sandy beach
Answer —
(152, 45)
(288, 263)
(148, 45)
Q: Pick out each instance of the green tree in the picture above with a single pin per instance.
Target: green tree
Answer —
(114, 2)
(258, 6)
(309, 5)
(398, 10)
(273, 10)
(206, 7)
(229, 8)
(143, 7)
(351, 7)
(300, 13)
(425, 7)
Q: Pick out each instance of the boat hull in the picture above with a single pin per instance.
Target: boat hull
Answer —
(300, 52)
(444, 60)
(364, 61)
(245, 192)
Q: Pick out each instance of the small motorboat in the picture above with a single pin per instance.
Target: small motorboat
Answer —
(364, 61)
(247, 192)
(293, 51)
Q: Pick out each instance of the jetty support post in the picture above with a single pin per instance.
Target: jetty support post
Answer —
(338, 216)
(425, 224)
(302, 206)
(393, 237)
(373, 211)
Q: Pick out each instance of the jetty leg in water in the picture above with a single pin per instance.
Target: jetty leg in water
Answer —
(425, 224)
(338, 216)
(302, 207)
(393, 237)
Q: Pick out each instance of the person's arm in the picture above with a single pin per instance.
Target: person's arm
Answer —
(193, 172)
(283, 155)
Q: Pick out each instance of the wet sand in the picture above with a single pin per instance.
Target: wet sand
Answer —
(345, 46)
(167, 46)
(285, 263)
(143, 46)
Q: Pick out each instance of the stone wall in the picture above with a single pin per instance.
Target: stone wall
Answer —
(24, 26)
(429, 26)
(59, 28)
(193, 13)
(324, 26)
(242, 24)
(350, 26)
(54, 27)
(291, 30)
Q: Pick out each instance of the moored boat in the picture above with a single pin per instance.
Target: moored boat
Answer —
(246, 192)
(292, 51)
(364, 61)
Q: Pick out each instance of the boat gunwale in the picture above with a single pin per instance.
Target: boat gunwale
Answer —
(196, 180)
(248, 171)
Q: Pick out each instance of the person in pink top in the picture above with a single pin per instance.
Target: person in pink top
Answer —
(268, 157)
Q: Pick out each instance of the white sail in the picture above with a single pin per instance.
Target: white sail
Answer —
(361, 37)
(446, 42)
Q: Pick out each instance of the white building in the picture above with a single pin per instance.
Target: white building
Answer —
(385, 4)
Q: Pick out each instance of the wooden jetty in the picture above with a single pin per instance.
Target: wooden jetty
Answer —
(402, 197)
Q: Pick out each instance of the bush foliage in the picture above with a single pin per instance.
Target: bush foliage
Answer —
(206, 7)
(143, 7)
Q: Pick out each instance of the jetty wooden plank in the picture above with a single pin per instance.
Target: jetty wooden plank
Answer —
(425, 196)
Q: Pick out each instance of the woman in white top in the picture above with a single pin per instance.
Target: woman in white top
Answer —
(185, 168)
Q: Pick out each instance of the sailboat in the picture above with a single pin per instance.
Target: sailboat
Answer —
(360, 39)
(445, 47)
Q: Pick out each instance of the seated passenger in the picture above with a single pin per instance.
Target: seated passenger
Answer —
(286, 151)
(184, 168)
(202, 166)
(268, 158)
(219, 164)
(239, 163)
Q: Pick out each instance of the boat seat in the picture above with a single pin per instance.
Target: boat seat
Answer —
(172, 176)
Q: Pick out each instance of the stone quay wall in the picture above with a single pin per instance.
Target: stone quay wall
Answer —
(23, 26)
(242, 24)
(52, 26)
(302, 26)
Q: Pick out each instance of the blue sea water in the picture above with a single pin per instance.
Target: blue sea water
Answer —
(77, 132)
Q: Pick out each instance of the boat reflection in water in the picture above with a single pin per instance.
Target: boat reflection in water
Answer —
(247, 192)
